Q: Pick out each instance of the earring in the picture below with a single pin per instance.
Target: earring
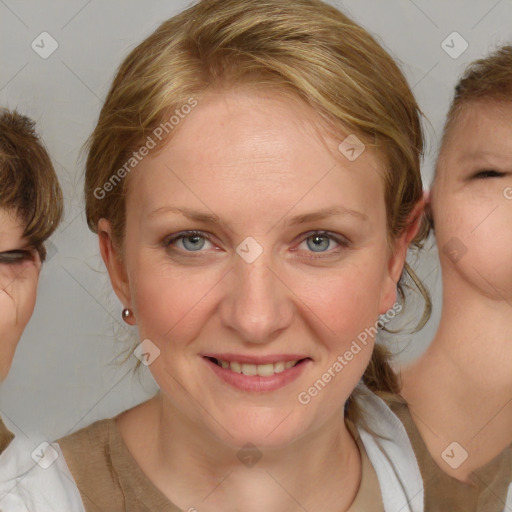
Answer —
(127, 313)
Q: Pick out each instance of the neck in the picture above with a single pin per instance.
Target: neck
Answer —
(197, 472)
(461, 388)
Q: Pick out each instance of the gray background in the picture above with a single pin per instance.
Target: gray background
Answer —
(66, 372)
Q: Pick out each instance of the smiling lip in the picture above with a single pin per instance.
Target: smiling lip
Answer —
(239, 358)
(253, 382)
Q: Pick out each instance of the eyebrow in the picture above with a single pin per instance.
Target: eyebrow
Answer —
(190, 213)
(211, 218)
(324, 213)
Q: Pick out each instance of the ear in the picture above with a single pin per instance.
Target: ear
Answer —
(115, 266)
(398, 254)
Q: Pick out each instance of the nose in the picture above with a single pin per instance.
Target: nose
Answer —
(257, 304)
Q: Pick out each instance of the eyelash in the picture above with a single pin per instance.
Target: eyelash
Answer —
(344, 243)
(15, 257)
(488, 173)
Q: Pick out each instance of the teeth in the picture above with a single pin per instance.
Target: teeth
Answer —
(249, 369)
(279, 367)
(263, 370)
(236, 367)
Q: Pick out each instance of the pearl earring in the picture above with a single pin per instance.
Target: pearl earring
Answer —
(127, 313)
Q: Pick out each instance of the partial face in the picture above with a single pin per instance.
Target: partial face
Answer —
(19, 273)
(472, 201)
(255, 254)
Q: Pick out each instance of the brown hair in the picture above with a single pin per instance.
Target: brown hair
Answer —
(303, 46)
(30, 187)
(489, 78)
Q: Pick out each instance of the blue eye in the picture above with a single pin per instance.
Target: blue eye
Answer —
(192, 241)
(321, 242)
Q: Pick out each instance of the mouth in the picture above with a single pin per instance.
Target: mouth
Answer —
(252, 369)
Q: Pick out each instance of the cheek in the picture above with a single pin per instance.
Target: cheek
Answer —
(457, 221)
(19, 290)
(345, 302)
(27, 308)
(31, 293)
(17, 303)
(10, 333)
(341, 310)
(342, 316)
(489, 255)
(170, 303)
(477, 241)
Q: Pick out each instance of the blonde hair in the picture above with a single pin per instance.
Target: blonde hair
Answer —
(30, 187)
(302, 46)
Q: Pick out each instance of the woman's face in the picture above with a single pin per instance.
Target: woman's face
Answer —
(19, 273)
(253, 244)
(472, 201)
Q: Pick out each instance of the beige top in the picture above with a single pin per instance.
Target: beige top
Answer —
(486, 493)
(109, 478)
(6, 436)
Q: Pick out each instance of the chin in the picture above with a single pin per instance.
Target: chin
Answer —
(263, 430)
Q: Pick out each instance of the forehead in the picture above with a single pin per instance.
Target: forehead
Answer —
(244, 144)
(480, 131)
(485, 121)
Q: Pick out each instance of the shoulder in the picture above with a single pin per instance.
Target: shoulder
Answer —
(88, 453)
(390, 452)
(36, 479)
(91, 438)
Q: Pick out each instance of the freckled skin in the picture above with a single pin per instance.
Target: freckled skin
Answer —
(18, 288)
